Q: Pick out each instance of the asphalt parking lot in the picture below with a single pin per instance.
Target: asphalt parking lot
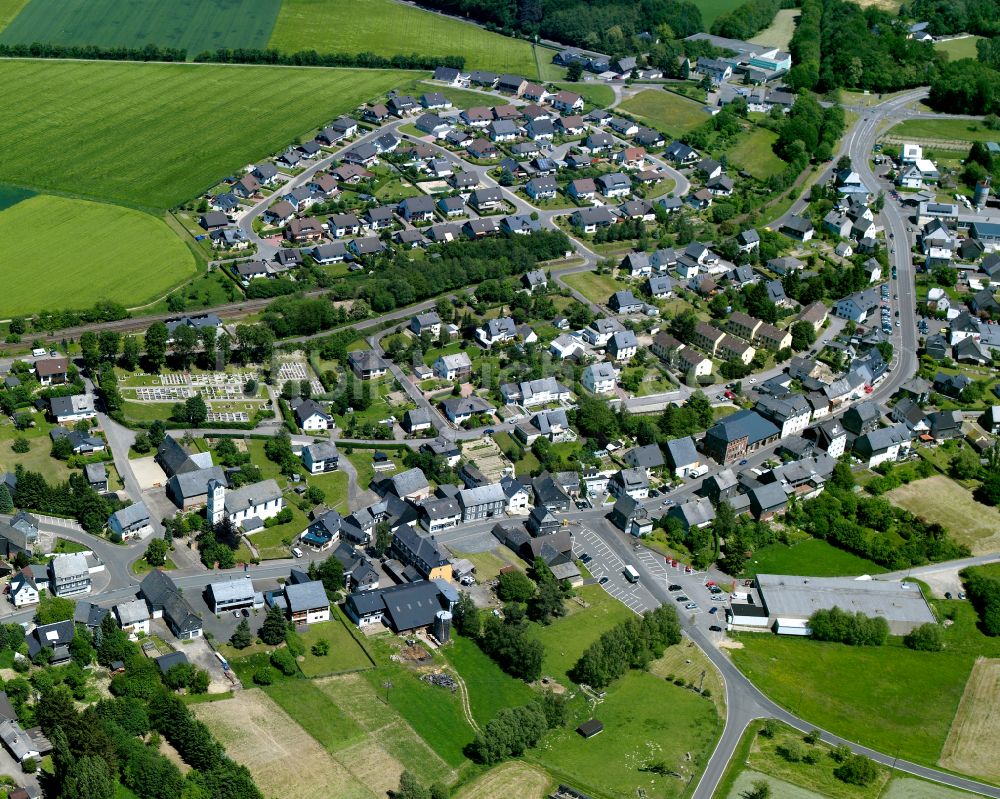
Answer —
(605, 563)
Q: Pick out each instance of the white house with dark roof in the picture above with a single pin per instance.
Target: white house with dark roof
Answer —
(261, 501)
(320, 458)
(131, 522)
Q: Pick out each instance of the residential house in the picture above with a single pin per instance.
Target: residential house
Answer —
(131, 522)
(423, 553)
(69, 575)
(682, 456)
(462, 409)
(734, 437)
(457, 366)
(320, 458)
(798, 228)
(51, 371)
(882, 445)
(600, 378)
(367, 365)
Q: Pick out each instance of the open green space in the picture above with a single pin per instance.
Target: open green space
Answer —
(345, 652)
(98, 251)
(667, 111)
(8, 10)
(334, 485)
(646, 719)
(38, 458)
(809, 558)
(305, 702)
(159, 137)
(490, 688)
(387, 28)
(938, 130)
(836, 686)
(754, 154)
(194, 25)
(273, 543)
(596, 288)
(566, 638)
(958, 48)
(361, 459)
(435, 713)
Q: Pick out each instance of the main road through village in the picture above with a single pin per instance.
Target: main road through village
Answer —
(745, 702)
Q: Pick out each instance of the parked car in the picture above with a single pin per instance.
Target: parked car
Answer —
(683, 598)
(715, 628)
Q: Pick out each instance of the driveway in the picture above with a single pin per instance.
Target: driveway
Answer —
(201, 654)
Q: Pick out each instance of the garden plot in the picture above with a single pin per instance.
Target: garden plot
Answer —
(488, 458)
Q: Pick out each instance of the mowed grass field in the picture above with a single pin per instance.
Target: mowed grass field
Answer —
(514, 779)
(194, 25)
(936, 130)
(388, 28)
(835, 686)
(8, 10)
(93, 251)
(666, 111)
(959, 48)
(154, 135)
(809, 558)
(973, 744)
(754, 153)
(940, 499)
(779, 33)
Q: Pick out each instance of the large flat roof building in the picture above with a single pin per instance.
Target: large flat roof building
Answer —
(794, 599)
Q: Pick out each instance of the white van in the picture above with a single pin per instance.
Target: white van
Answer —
(297, 552)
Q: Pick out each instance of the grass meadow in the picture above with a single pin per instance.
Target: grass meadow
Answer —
(387, 28)
(99, 251)
(8, 10)
(941, 500)
(713, 9)
(490, 688)
(754, 153)
(836, 686)
(964, 47)
(809, 558)
(154, 135)
(779, 32)
(666, 111)
(195, 25)
(936, 130)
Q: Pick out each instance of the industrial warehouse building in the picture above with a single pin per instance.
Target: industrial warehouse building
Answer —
(784, 603)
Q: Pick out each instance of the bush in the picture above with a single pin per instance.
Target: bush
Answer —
(925, 638)
(20, 445)
(284, 661)
(321, 648)
(264, 675)
(856, 770)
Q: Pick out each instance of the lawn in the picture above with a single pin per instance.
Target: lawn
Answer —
(488, 564)
(273, 543)
(809, 558)
(194, 25)
(667, 111)
(941, 500)
(334, 485)
(109, 252)
(345, 652)
(646, 719)
(387, 28)
(959, 48)
(158, 139)
(753, 152)
(490, 689)
(362, 462)
(942, 130)
(779, 32)
(38, 457)
(596, 288)
(836, 686)
(566, 638)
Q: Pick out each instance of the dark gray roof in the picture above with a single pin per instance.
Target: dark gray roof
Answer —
(743, 423)
(306, 596)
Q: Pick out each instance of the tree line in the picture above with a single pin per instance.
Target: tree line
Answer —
(854, 629)
(89, 52)
(981, 17)
(633, 644)
(982, 586)
(310, 58)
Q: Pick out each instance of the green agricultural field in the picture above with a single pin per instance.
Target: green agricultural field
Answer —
(666, 111)
(831, 685)
(387, 28)
(490, 688)
(8, 10)
(194, 25)
(12, 196)
(152, 135)
(713, 9)
(646, 719)
(99, 252)
(959, 48)
(809, 558)
(754, 153)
